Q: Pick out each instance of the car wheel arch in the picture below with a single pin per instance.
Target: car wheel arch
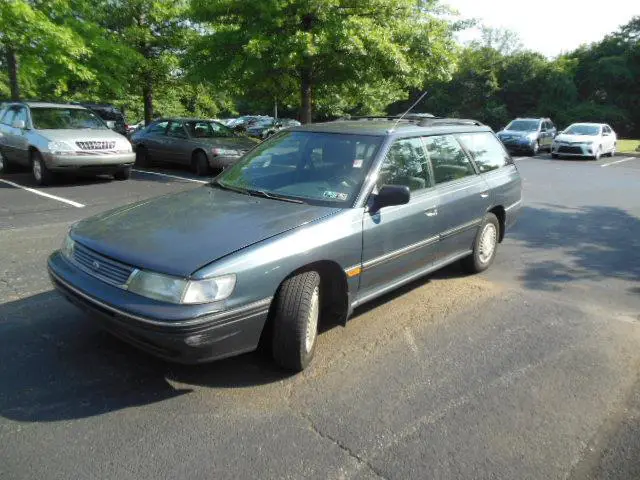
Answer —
(198, 150)
(501, 214)
(334, 291)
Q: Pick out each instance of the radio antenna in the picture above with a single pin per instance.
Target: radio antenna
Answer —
(410, 108)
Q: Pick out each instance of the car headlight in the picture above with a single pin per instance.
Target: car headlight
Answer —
(223, 152)
(68, 247)
(179, 290)
(124, 147)
(57, 148)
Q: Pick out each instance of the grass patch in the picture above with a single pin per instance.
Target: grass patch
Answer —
(628, 146)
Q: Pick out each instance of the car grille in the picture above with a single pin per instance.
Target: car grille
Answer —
(96, 145)
(568, 149)
(99, 266)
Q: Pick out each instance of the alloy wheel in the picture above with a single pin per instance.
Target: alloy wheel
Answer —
(37, 170)
(487, 242)
(312, 320)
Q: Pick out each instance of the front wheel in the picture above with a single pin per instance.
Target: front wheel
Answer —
(485, 246)
(41, 174)
(296, 313)
(598, 154)
(200, 164)
(535, 149)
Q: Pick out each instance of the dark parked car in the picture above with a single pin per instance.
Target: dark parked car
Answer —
(112, 116)
(310, 224)
(201, 144)
(528, 135)
(265, 128)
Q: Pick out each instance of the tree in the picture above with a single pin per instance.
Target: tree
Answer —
(334, 54)
(504, 41)
(155, 32)
(32, 30)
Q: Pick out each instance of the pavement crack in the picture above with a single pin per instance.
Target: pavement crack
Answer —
(360, 461)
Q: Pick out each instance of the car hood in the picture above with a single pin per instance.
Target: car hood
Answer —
(180, 233)
(232, 143)
(83, 135)
(575, 138)
(516, 133)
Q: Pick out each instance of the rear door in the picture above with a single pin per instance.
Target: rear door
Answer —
(464, 195)
(153, 138)
(400, 240)
(6, 133)
(175, 144)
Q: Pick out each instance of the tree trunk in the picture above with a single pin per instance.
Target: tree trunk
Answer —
(12, 71)
(147, 98)
(306, 90)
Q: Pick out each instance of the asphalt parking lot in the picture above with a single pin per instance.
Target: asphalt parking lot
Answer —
(531, 370)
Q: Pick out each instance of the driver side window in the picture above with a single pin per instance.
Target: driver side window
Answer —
(406, 164)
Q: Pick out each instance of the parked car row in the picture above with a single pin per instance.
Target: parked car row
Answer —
(531, 135)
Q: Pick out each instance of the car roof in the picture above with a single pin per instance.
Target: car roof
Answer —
(535, 119)
(387, 127)
(589, 123)
(184, 119)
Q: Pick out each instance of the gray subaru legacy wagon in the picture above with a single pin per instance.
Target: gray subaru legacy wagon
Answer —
(308, 225)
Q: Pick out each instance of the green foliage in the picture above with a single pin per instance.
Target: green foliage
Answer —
(340, 49)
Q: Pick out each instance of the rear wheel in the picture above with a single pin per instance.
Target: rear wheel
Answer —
(296, 313)
(41, 174)
(123, 174)
(613, 151)
(485, 246)
(200, 164)
(554, 155)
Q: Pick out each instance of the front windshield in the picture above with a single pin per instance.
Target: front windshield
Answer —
(315, 167)
(523, 125)
(578, 129)
(207, 129)
(65, 119)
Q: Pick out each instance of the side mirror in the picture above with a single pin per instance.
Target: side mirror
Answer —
(19, 124)
(111, 124)
(390, 195)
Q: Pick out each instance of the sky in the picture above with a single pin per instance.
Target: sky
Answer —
(549, 27)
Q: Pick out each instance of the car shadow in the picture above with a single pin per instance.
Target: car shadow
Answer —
(590, 243)
(55, 364)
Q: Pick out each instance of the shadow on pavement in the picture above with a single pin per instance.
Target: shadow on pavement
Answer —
(593, 243)
(55, 364)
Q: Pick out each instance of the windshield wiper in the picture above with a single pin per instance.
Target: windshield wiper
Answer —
(272, 196)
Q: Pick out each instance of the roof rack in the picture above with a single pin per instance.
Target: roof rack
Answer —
(429, 122)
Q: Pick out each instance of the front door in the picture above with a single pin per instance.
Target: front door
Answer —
(400, 240)
(463, 194)
(154, 137)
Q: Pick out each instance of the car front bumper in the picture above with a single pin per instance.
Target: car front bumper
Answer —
(96, 162)
(517, 146)
(172, 332)
(572, 150)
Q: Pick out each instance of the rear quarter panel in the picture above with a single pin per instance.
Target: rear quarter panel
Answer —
(506, 190)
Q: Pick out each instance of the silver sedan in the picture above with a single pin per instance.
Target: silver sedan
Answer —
(201, 144)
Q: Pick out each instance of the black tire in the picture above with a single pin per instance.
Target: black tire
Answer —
(597, 154)
(554, 155)
(200, 164)
(142, 157)
(476, 262)
(41, 174)
(123, 174)
(5, 165)
(296, 301)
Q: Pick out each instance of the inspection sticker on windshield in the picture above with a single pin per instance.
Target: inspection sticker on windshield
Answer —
(358, 163)
(335, 195)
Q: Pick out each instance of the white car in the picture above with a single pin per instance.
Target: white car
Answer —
(585, 140)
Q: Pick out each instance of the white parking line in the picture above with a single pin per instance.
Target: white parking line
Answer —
(626, 159)
(171, 176)
(43, 194)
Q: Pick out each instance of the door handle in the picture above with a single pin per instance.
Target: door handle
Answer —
(484, 194)
(431, 212)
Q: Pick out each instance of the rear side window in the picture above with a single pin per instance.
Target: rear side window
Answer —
(486, 150)
(406, 164)
(448, 159)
